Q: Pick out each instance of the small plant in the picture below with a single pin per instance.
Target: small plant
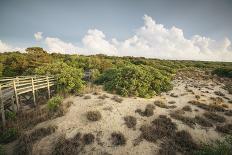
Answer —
(87, 97)
(94, 115)
(187, 108)
(227, 128)
(9, 135)
(10, 115)
(186, 120)
(118, 138)
(217, 147)
(149, 110)
(161, 104)
(88, 138)
(117, 99)
(219, 93)
(130, 121)
(2, 151)
(202, 121)
(54, 103)
(214, 117)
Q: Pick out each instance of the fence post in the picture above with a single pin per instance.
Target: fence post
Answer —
(16, 95)
(48, 84)
(2, 108)
(33, 90)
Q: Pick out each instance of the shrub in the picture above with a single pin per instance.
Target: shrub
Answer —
(149, 110)
(2, 151)
(132, 80)
(10, 115)
(130, 121)
(227, 128)
(54, 103)
(161, 104)
(117, 99)
(94, 115)
(187, 108)
(214, 117)
(186, 120)
(118, 138)
(87, 97)
(88, 138)
(202, 121)
(223, 72)
(69, 79)
(217, 147)
(9, 135)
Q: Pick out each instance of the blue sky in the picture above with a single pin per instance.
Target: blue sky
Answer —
(70, 20)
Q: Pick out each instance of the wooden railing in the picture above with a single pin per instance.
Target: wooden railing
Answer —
(11, 88)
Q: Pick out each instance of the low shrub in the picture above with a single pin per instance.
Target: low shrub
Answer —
(9, 135)
(94, 116)
(223, 72)
(87, 97)
(2, 151)
(54, 103)
(10, 115)
(161, 104)
(187, 108)
(130, 121)
(227, 128)
(214, 117)
(202, 121)
(88, 138)
(218, 147)
(149, 110)
(117, 99)
(186, 120)
(118, 138)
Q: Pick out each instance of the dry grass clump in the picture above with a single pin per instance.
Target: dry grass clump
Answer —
(88, 138)
(96, 93)
(172, 107)
(68, 146)
(227, 129)
(94, 115)
(149, 110)
(173, 95)
(187, 108)
(117, 99)
(230, 101)
(214, 117)
(228, 113)
(219, 93)
(104, 96)
(184, 142)
(160, 127)
(87, 97)
(202, 121)
(171, 102)
(26, 141)
(186, 120)
(161, 104)
(210, 107)
(197, 97)
(217, 100)
(225, 105)
(130, 121)
(118, 139)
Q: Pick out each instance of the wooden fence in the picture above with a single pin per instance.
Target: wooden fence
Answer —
(11, 88)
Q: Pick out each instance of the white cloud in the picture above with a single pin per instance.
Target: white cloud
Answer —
(57, 45)
(38, 36)
(4, 47)
(7, 48)
(95, 42)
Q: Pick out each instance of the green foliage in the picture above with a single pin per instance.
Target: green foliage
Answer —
(10, 115)
(223, 72)
(9, 135)
(223, 147)
(2, 151)
(95, 74)
(54, 103)
(69, 78)
(133, 80)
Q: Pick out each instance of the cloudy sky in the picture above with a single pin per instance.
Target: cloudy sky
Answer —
(166, 29)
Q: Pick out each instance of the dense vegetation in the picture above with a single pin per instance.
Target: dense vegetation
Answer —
(127, 76)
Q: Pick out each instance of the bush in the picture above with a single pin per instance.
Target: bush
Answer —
(88, 138)
(118, 138)
(130, 121)
(132, 80)
(2, 151)
(94, 115)
(223, 72)
(69, 79)
(54, 103)
(10, 115)
(218, 147)
(9, 135)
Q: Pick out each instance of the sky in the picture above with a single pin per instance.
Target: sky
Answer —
(165, 29)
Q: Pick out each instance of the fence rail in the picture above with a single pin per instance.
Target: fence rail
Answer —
(12, 87)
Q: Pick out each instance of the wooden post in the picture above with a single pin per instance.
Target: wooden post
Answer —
(49, 93)
(16, 95)
(2, 108)
(12, 102)
(33, 90)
